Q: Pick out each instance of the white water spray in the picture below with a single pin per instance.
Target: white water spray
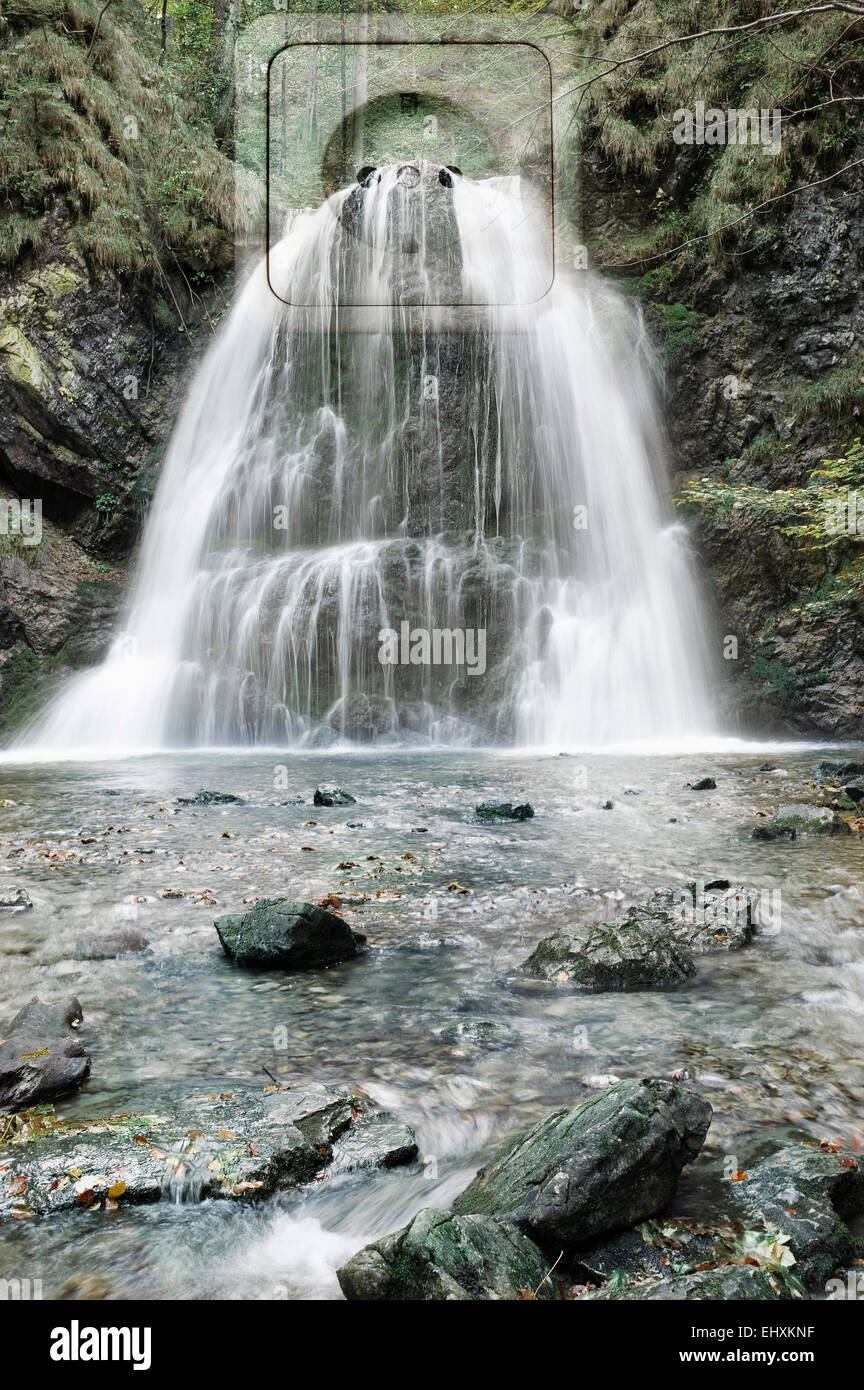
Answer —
(324, 484)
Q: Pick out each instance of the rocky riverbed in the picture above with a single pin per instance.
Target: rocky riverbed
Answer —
(418, 1058)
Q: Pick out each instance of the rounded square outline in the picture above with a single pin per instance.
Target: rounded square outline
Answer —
(412, 43)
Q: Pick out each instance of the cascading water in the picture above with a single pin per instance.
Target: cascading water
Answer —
(323, 485)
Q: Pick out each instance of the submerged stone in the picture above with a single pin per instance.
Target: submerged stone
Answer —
(441, 1257)
(596, 1168)
(704, 784)
(479, 1033)
(109, 945)
(503, 810)
(208, 798)
(287, 935)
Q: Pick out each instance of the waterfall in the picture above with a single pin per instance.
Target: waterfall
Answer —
(494, 475)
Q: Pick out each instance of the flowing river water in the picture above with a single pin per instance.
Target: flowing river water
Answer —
(770, 1034)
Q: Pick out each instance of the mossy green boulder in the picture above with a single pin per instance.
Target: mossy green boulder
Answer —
(284, 934)
(596, 1168)
(440, 1257)
(632, 954)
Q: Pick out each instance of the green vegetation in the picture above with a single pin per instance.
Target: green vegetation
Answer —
(835, 394)
(825, 519)
(818, 513)
(94, 129)
(680, 331)
(627, 117)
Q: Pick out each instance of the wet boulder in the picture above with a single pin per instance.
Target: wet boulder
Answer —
(810, 1193)
(333, 796)
(503, 810)
(443, 1257)
(238, 1145)
(41, 1057)
(15, 900)
(380, 1142)
(703, 784)
(706, 918)
(595, 1168)
(837, 772)
(770, 831)
(287, 935)
(478, 1032)
(633, 953)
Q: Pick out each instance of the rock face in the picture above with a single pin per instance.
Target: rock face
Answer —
(631, 954)
(287, 935)
(800, 819)
(40, 1057)
(503, 810)
(809, 1194)
(596, 1168)
(333, 796)
(439, 1256)
(726, 1282)
(748, 404)
(236, 1146)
